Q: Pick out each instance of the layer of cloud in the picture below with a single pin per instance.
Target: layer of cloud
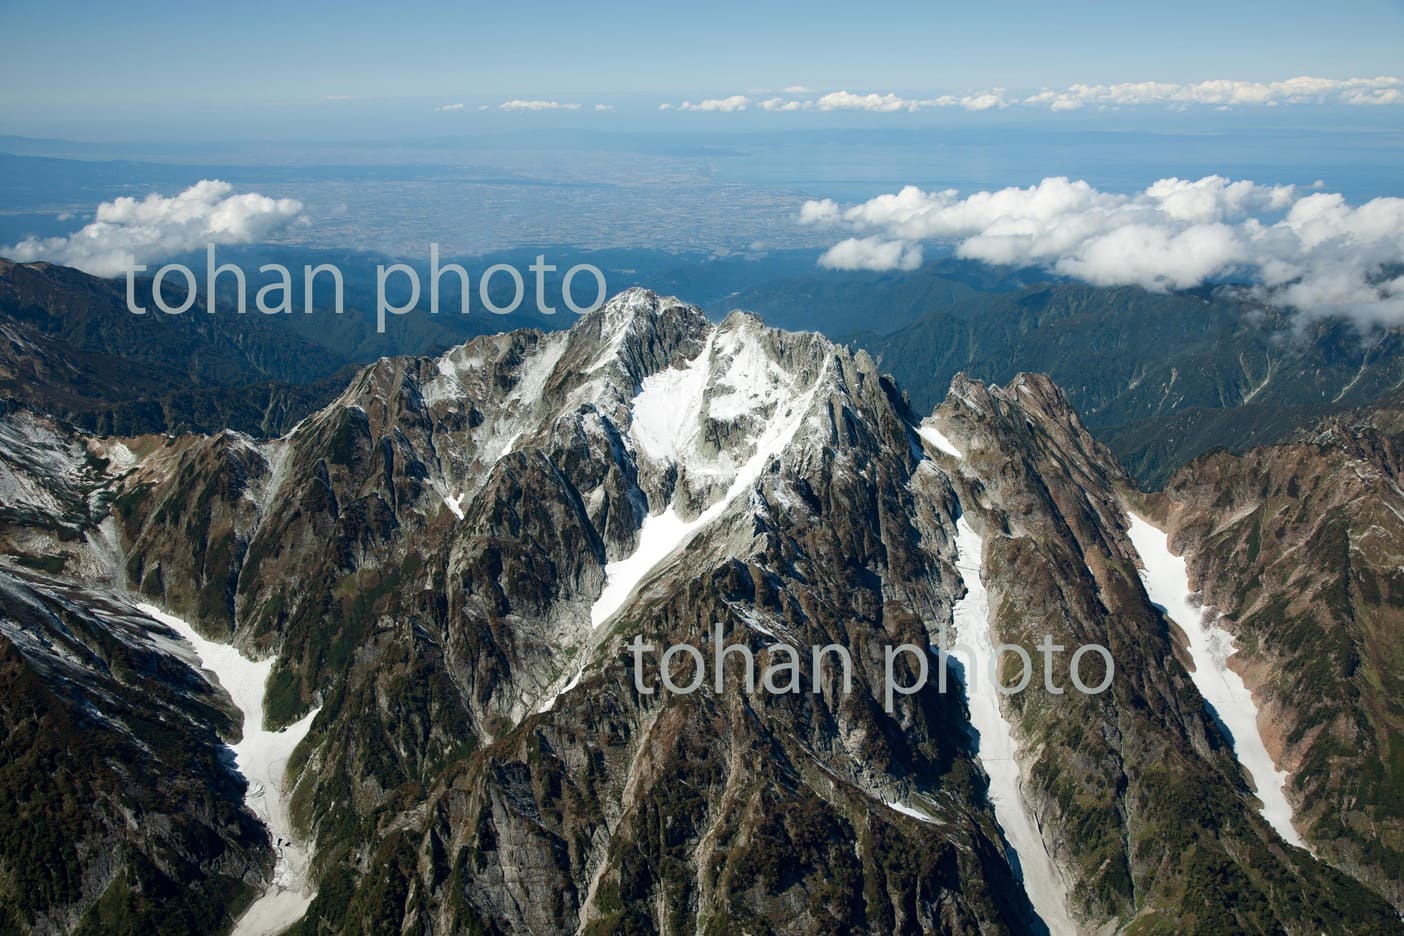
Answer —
(883, 103)
(1304, 249)
(1222, 93)
(850, 101)
(782, 104)
(156, 228)
(737, 102)
(603, 108)
(887, 103)
(1225, 93)
(520, 105)
(442, 108)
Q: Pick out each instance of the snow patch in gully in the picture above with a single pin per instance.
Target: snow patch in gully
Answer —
(1167, 583)
(262, 758)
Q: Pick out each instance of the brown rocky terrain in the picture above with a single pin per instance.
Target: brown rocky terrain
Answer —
(1300, 546)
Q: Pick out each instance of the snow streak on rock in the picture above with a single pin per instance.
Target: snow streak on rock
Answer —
(1210, 646)
(997, 749)
(933, 435)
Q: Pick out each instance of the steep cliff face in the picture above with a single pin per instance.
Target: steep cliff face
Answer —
(70, 348)
(1300, 548)
(469, 567)
(118, 812)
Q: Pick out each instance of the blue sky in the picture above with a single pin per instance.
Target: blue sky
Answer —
(1184, 131)
(72, 66)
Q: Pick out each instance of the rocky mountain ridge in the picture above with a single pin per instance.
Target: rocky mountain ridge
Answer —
(447, 561)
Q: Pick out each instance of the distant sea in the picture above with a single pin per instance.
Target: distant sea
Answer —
(709, 190)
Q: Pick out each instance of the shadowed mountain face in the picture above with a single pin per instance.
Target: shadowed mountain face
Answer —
(120, 811)
(70, 347)
(449, 563)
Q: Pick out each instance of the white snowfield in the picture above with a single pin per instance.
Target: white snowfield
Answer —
(667, 426)
(1167, 583)
(937, 438)
(455, 504)
(997, 750)
(262, 757)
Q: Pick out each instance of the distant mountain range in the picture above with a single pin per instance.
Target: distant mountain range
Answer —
(447, 560)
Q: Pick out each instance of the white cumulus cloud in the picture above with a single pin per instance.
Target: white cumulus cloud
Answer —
(1225, 93)
(783, 104)
(882, 103)
(888, 103)
(1218, 93)
(737, 102)
(442, 108)
(158, 227)
(519, 105)
(1309, 250)
(871, 253)
(986, 101)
